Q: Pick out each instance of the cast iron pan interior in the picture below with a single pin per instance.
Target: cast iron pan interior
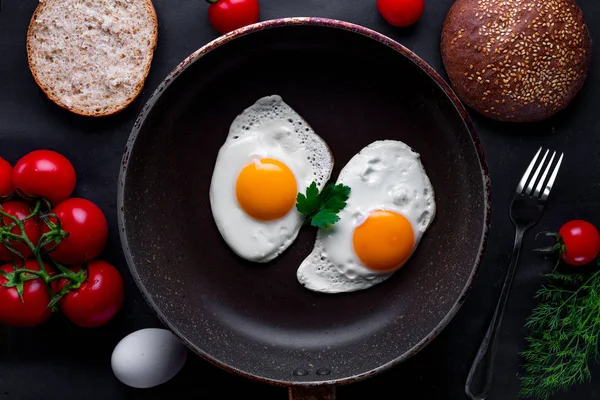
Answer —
(353, 86)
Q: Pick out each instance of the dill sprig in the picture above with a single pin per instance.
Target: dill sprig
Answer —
(563, 334)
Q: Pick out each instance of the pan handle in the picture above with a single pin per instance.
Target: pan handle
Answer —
(312, 393)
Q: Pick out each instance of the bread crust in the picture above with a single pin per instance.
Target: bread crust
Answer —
(73, 108)
(516, 61)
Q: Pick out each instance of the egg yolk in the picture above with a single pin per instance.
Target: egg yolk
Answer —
(266, 189)
(384, 241)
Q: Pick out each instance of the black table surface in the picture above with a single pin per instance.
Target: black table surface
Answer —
(57, 361)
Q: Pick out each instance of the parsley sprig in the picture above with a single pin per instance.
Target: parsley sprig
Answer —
(321, 209)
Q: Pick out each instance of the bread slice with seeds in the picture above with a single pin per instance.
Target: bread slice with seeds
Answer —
(92, 57)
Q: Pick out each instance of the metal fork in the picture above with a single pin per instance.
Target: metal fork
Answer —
(526, 210)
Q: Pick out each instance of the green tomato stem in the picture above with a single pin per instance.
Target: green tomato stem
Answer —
(48, 238)
(36, 250)
(39, 274)
(60, 276)
(55, 234)
(35, 211)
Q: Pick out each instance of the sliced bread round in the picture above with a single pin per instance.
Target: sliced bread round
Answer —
(92, 57)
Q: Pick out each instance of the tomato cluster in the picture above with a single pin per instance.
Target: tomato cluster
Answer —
(49, 244)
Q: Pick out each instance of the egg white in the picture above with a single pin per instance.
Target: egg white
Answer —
(385, 175)
(269, 128)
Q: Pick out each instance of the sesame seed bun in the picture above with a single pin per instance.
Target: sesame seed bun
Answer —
(516, 60)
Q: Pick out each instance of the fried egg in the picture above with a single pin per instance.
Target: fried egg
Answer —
(270, 155)
(390, 207)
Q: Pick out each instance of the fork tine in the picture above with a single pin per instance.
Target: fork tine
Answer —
(529, 189)
(540, 185)
(548, 187)
(523, 181)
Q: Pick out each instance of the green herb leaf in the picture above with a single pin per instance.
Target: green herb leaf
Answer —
(324, 218)
(321, 209)
(334, 197)
(564, 329)
(309, 204)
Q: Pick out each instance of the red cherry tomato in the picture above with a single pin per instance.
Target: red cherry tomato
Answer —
(581, 242)
(87, 231)
(97, 300)
(33, 310)
(44, 173)
(401, 13)
(228, 15)
(31, 227)
(6, 186)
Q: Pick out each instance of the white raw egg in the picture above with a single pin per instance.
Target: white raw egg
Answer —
(269, 156)
(390, 207)
(148, 358)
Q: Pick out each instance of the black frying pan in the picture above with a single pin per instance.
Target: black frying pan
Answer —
(353, 86)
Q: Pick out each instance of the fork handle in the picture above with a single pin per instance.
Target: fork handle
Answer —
(479, 380)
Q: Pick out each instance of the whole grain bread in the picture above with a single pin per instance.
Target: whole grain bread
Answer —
(92, 57)
(516, 60)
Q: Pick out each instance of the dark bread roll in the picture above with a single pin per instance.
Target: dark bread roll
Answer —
(516, 60)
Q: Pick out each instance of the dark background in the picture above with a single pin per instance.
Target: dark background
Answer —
(57, 361)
